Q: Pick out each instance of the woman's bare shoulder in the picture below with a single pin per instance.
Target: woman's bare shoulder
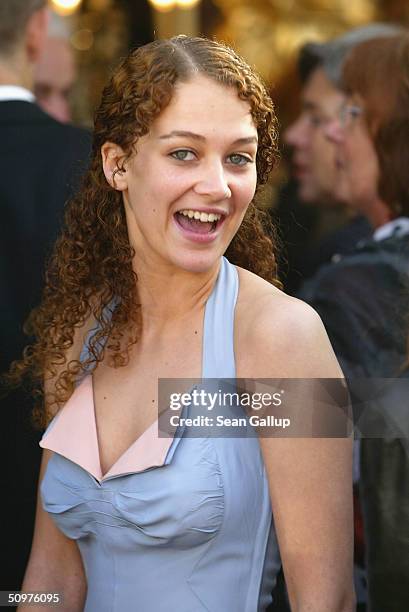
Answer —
(281, 335)
(262, 304)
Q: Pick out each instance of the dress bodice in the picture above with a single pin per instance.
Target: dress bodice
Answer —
(177, 523)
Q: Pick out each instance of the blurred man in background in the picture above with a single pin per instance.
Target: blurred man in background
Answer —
(40, 161)
(55, 72)
(313, 156)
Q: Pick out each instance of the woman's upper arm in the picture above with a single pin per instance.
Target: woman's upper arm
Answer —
(310, 479)
(55, 563)
(310, 488)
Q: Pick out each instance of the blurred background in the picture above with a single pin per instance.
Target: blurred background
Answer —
(88, 37)
(268, 33)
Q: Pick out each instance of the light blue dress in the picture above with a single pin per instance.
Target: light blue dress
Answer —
(193, 534)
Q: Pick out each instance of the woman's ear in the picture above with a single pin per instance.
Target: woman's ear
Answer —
(113, 164)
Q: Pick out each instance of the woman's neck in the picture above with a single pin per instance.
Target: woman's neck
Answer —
(167, 294)
(378, 213)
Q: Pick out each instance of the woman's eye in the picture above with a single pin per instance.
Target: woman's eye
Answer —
(183, 155)
(239, 160)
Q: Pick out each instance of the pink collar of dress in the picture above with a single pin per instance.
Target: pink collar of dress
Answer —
(73, 434)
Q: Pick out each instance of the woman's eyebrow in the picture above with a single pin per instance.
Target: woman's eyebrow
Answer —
(187, 134)
(246, 140)
(183, 134)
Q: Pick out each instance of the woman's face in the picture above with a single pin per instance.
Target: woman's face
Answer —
(198, 160)
(356, 158)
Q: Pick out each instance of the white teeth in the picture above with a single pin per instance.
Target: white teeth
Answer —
(200, 216)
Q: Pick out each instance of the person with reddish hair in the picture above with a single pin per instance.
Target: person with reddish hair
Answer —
(363, 299)
(138, 290)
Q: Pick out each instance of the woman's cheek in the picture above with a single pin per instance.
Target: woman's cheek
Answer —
(249, 192)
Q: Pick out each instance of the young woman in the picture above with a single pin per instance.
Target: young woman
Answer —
(138, 289)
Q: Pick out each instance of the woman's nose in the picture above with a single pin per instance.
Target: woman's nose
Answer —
(334, 131)
(213, 182)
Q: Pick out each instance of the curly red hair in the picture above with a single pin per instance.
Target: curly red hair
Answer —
(91, 266)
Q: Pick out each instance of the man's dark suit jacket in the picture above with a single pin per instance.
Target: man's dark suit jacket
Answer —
(41, 162)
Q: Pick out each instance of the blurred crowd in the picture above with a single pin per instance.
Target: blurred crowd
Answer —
(349, 150)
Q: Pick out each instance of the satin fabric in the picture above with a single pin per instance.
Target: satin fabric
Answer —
(177, 523)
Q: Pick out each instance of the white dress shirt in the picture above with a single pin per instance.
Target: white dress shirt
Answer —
(15, 92)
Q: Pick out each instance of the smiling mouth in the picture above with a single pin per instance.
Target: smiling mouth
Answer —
(198, 222)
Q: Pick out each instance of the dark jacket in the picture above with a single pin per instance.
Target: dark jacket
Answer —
(364, 302)
(41, 161)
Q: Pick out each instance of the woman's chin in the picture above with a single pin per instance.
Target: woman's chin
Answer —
(199, 263)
